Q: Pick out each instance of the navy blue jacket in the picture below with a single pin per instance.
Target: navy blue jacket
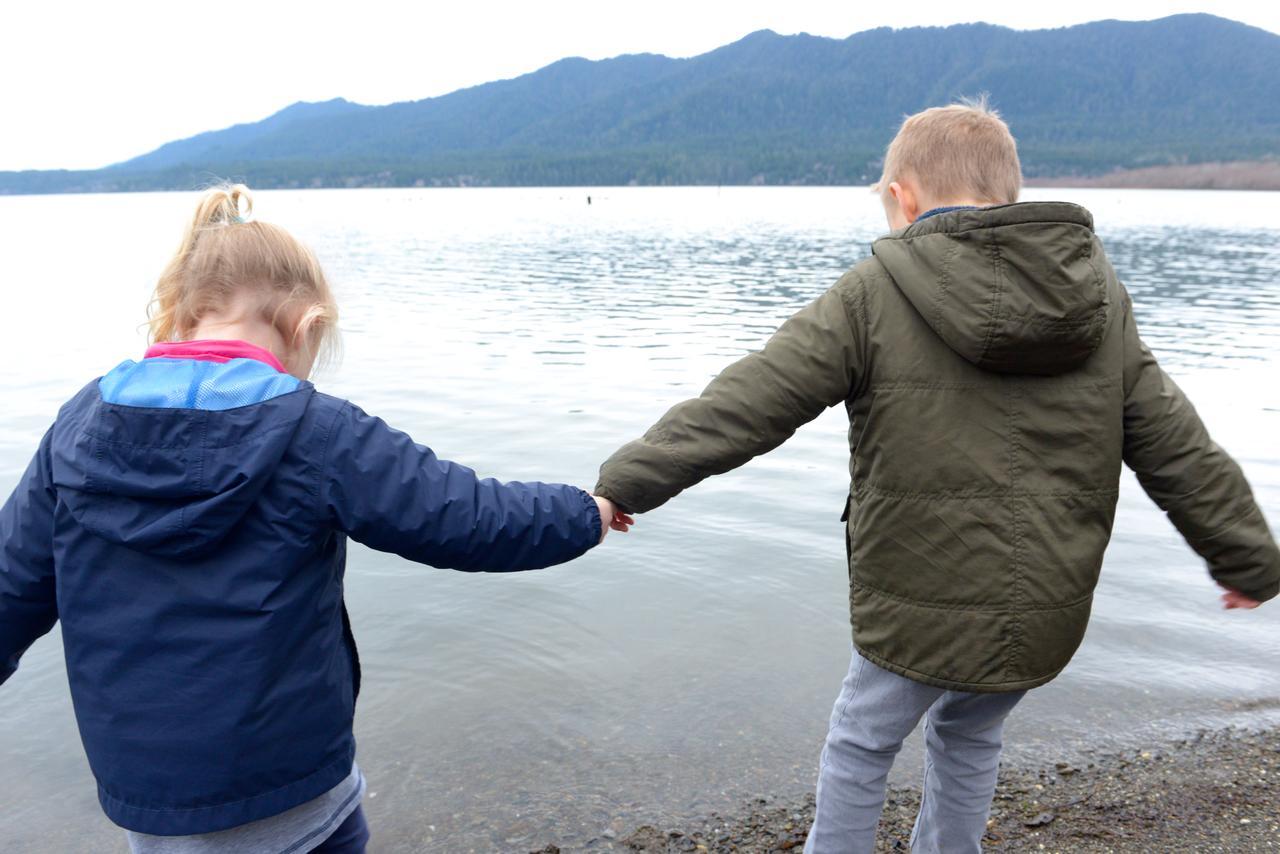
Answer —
(187, 522)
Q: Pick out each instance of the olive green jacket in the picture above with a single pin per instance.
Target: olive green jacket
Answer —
(995, 381)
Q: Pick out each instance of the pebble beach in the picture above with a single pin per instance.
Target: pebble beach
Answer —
(1218, 791)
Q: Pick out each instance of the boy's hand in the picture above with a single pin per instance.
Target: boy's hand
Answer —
(1236, 599)
(621, 521)
(611, 517)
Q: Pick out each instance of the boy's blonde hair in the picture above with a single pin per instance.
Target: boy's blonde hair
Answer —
(953, 153)
(224, 253)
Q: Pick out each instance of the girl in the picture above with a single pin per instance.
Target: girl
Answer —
(186, 517)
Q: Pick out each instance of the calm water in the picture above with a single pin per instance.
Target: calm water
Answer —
(692, 664)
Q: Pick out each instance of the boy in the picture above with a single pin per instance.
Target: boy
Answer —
(995, 381)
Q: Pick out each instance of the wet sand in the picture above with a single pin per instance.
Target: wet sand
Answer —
(1216, 792)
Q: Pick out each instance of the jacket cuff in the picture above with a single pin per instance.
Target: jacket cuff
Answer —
(593, 515)
(622, 502)
(1267, 592)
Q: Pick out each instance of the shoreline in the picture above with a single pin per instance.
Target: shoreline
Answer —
(1260, 175)
(1248, 175)
(1216, 791)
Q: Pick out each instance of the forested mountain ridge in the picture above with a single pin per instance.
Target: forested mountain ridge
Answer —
(770, 109)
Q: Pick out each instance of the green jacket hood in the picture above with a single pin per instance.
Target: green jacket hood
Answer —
(1014, 289)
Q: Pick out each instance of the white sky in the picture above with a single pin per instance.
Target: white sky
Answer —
(90, 83)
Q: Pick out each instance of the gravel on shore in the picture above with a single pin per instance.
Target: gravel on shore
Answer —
(1216, 792)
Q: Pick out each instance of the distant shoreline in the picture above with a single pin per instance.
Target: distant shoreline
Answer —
(1240, 175)
(1256, 175)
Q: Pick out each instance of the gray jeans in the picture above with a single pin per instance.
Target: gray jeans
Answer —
(876, 710)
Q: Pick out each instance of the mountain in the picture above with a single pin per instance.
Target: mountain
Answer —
(231, 142)
(1082, 100)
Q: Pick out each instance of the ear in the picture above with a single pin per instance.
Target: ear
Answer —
(303, 331)
(301, 345)
(908, 201)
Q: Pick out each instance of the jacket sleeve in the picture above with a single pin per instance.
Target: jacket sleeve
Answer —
(28, 602)
(396, 496)
(812, 362)
(1194, 481)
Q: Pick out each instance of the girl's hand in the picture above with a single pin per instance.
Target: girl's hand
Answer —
(1236, 599)
(611, 518)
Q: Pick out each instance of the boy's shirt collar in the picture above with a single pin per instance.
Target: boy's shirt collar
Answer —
(211, 350)
(946, 209)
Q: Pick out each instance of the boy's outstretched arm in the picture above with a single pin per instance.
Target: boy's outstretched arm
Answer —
(28, 603)
(814, 361)
(394, 495)
(1194, 481)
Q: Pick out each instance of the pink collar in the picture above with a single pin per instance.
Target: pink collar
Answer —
(213, 351)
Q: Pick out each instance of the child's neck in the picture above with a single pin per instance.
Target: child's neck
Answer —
(929, 207)
(254, 331)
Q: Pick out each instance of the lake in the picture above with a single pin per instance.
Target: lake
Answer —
(691, 664)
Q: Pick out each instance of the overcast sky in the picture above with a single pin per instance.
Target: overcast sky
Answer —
(87, 84)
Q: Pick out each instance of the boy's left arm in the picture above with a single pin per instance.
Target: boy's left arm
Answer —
(814, 361)
(28, 602)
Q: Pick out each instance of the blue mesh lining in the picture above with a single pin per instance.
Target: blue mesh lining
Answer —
(194, 384)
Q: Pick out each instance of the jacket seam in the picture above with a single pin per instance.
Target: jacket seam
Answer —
(987, 227)
(997, 299)
(669, 446)
(1007, 492)
(852, 313)
(203, 427)
(323, 468)
(1015, 641)
(1101, 312)
(45, 449)
(1158, 430)
(302, 386)
(793, 410)
(226, 804)
(1127, 319)
(944, 282)
(89, 479)
(909, 385)
(976, 607)
(1052, 324)
(867, 370)
(1251, 514)
(204, 449)
(956, 684)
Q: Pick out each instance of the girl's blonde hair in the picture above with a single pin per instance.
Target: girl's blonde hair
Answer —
(961, 151)
(224, 253)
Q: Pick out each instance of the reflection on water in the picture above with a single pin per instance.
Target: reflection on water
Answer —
(690, 665)
(1206, 296)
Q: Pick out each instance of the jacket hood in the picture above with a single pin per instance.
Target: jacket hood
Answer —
(170, 480)
(1015, 289)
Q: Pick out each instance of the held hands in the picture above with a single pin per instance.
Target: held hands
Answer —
(1236, 599)
(611, 518)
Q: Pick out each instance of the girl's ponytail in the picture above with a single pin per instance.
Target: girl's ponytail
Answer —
(226, 205)
(223, 251)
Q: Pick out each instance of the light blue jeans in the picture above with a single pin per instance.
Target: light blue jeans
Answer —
(876, 710)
